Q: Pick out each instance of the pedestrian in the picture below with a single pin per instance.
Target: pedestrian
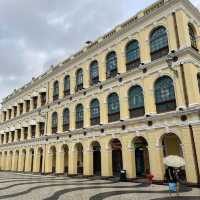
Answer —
(170, 175)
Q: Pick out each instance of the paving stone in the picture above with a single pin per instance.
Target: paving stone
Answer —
(24, 186)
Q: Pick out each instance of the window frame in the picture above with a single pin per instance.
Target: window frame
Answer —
(136, 110)
(112, 99)
(66, 86)
(165, 103)
(66, 123)
(192, 34)
(56, 90)
(94, 119)
(159, 42)
(54, 126)
(79, 80)
(94, 79)
(79, 121)
(133, 62)
(111, 59)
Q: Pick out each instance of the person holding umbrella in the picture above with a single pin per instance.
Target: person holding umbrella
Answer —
(171, 174)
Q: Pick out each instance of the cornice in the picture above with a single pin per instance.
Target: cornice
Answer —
(30, 116)
(156, 66)
(113, 129)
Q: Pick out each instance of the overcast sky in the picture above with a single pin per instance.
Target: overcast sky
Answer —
(35, 34)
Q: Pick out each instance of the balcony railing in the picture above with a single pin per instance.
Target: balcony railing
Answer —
(114, 117)
(95, 121)
(136, 112)
(133, 64)
(160, 53)
(166, 106)
(79, 124)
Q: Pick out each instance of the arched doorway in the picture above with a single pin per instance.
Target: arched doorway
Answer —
(96, 158)
(53, 159)
(66, 157)
(10, 161)
(16, 161)
(23, 160)
(117, 163)
(32, 159)
(141, 157)
(5, 160)
(172, 145)
(40, 153)
(79, 149)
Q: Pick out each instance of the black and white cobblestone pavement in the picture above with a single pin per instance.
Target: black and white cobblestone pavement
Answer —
(32, 187)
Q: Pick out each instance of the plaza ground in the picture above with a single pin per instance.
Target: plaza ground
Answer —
(35, 187)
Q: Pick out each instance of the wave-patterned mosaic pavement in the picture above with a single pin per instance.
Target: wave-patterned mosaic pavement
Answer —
(19, 186)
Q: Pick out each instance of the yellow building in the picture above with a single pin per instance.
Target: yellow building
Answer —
(125, 101)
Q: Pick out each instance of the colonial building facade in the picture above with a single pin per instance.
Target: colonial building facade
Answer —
(125, 101)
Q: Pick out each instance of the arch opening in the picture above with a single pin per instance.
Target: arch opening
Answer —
(40, 152)
(53, 159)
(172, 145)
(16, 168)
(32, 159)
(79, 149)
(117, 163)
(96, 148)
(23, 160)
(141, 157)
(66, 157)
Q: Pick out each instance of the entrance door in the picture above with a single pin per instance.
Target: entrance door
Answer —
(41, 160)
(117, 164)
(140, 169)
(141, 157)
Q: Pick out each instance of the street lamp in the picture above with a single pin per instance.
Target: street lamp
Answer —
(172, 58)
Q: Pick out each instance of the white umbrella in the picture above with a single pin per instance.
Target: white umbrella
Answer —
(174, 161)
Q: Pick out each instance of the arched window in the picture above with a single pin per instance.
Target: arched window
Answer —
(165, 95)
(159, 43)
(66, 119)
(113, 108)
(192, 37)
(132, 55)
(79, 116)
(111, 65)
(94, 112)
(136, 102)
(94, 73)
(79, 80)
(55, 91)
(54, 122)
(67, 85)
(198, 79)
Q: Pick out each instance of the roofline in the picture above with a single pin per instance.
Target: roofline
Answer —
(132, 20)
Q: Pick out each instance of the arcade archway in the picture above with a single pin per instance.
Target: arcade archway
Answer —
(40, 164)
(66, 157)
(79, 150)
(53, 159)
(172, 145)
(16, 161)
(31, 159)
(141, 157)
(96, 148)
(117, 163)
(23, 160)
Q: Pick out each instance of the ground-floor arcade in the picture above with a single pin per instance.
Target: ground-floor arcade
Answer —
(138, 153)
